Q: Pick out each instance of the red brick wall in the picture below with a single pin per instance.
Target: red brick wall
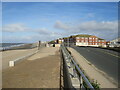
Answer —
(92, 40)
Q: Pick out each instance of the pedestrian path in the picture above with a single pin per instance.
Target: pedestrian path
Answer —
(41, 70)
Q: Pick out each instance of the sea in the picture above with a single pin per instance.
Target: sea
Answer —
(9, 45)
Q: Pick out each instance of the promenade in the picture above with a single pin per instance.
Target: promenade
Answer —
(42, 70)
(14, 54)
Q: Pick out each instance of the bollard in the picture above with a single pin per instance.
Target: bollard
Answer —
(11, 63)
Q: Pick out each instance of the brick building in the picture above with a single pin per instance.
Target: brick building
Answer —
(85, 40)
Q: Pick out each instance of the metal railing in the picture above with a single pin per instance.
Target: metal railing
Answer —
(77, 72)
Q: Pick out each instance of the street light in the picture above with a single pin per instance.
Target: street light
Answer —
(39, 43)
(68, 42)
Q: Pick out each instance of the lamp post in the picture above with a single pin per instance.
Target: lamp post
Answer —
(39, 43)
(68, 42)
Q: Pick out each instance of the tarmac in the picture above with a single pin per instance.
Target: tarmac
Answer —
(42, 70)
(91, 71)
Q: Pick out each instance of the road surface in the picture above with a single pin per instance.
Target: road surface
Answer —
(105, 60)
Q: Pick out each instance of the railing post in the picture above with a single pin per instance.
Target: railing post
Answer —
(74, 72)
(81, 82)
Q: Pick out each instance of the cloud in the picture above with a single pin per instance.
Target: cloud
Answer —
(60, 25)
(42, 31)
(22, 33)
(30, 38)
(48, 34)
(90, 15)
(102, 28)
(95, 26)
(14, 28)
(16, 39)
(90, 25)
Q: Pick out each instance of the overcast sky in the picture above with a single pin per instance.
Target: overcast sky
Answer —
(33, 21)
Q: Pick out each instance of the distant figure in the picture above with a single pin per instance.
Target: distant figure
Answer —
(39, 45)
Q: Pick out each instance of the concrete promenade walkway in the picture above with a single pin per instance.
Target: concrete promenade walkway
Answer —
(41, 70)
(14, 54)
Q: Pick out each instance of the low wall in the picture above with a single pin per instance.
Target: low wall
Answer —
(57, 45)
(13, 62)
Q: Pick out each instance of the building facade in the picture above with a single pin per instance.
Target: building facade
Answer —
(115, 43)
(86, 40)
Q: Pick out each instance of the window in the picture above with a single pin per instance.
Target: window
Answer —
(82, 40)
(77, 40)
(86, 40)
(103, 40)
(90, 43)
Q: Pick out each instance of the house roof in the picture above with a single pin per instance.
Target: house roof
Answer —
(65, 37)
(83, 35)
(101, 39)
(86, 35)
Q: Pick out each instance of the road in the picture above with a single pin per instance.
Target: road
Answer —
(105, 60)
